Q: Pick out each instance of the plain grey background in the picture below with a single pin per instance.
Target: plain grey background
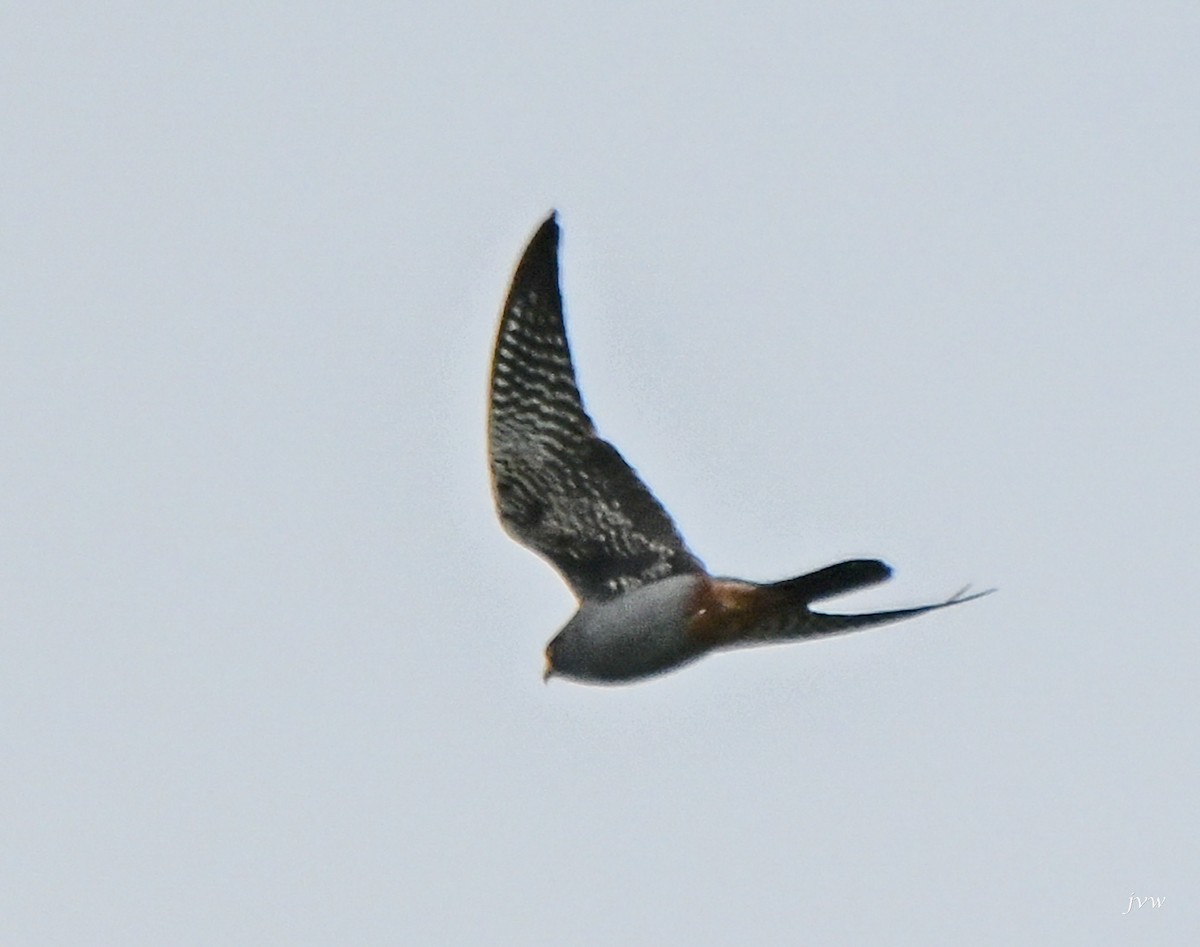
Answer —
(914, 281)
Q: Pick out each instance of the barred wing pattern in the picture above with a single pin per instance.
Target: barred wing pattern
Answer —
(560, 489)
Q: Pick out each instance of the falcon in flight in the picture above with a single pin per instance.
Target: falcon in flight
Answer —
(646, 603)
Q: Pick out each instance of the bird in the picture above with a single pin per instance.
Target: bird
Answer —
(646, 603)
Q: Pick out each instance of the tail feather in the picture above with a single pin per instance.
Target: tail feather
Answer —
(794, 622)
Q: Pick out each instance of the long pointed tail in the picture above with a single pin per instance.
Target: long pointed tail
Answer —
(790, 621)
(821, 624)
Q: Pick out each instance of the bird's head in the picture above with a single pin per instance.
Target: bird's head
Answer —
(566, 654)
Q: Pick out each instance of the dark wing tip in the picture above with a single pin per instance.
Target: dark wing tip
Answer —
(538, 266)
(834, 580)
(868, 571)
(545, 238)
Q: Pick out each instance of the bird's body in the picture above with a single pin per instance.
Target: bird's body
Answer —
(647, 605)
(636, 634)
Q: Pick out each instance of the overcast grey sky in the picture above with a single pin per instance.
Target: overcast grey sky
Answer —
(914, 281)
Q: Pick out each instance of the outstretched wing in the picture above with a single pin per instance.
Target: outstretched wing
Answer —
(560, 489)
